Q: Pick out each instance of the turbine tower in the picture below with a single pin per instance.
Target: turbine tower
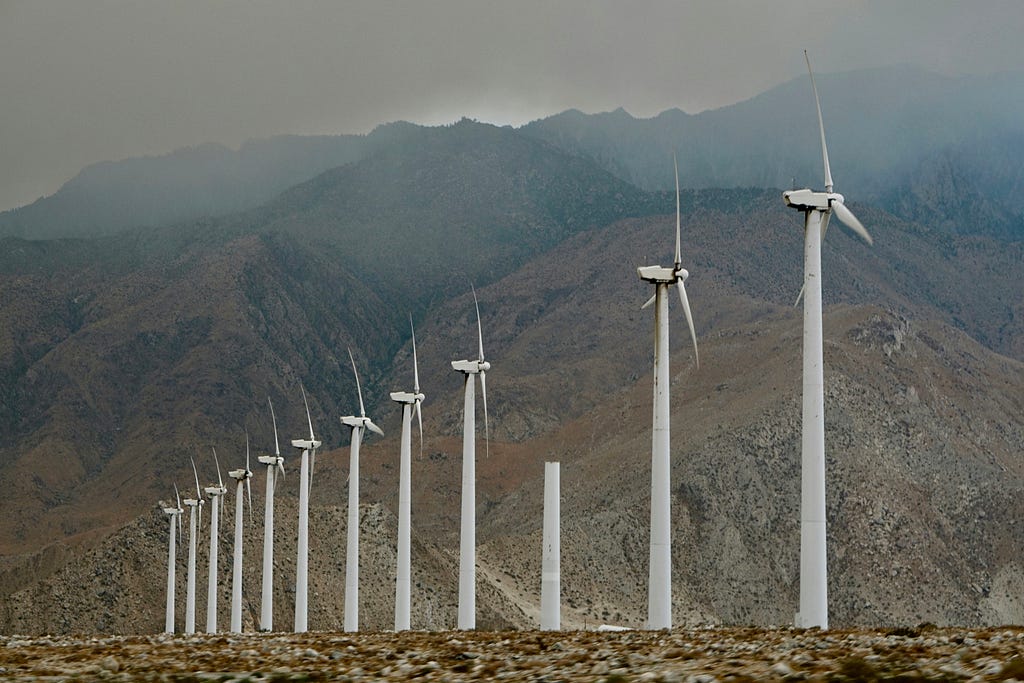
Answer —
(308, 448)
(274, 464)
(659, 591)
(240, 476)
(195, 505)
(174, 515)
(216, 494)
(817, 207)
(551, 561)
(358, 425)
(403, 581)
(467, 536)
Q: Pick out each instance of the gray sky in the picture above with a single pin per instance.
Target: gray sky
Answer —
(82, 82)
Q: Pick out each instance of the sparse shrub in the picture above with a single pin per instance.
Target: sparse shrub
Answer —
(857, 669)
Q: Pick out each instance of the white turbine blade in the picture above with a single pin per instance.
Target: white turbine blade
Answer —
(679, 257)
(415, 362)
(649, 302)
(247, 451)
(248, 493)
(362, 410)
(689, 318)
(177, 497)
(847, 217)
(821, 126)
(199, 491)
(419, 417)
(800, 295)
(308, 417)
(374, 428)
(487, 427)
(312, 464)
(280, 466)
(273, 418)
(220, 480)
(479, 329)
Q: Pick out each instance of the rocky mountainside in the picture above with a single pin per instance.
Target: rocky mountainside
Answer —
(125, 356)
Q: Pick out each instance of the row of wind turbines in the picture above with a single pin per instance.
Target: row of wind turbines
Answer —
(817, 208)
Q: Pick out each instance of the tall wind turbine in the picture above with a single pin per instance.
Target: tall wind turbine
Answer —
(308, 448)
(403, 580)
(195, 505)
(467, 536)
(274, 464)
(216, 494)
(659, 591)
(817, 207)
(174, 515)
(358, 426)
(240, 476)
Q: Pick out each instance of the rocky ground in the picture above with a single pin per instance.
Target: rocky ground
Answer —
(706, 654)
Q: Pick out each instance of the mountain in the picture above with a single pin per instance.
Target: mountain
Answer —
(123, 356)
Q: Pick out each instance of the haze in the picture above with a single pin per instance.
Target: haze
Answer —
(87, 82)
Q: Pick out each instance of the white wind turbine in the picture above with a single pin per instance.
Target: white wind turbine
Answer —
(274, 464)
(403, 576)
(467, 536)
(659, 599)
(308, 448)
(817, 207)
(240, 476)
(216, 494)
(358, 425)
(195, 505)
(174, 515)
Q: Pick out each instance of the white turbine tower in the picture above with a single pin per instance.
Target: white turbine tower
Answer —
(659, 598)
(274, 464)
(216, 494)
(816, 207)
(358, 425)
(467, 537)
(308, 448)
(403, 580)
(240, 476)
(551, 560)
(174, 515)
(195, 505)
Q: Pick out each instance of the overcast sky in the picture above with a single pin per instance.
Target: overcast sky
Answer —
(82, 82)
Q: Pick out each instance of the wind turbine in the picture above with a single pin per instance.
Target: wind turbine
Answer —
(358, 426)
(659, 590)
(174, 515)
(403, 579)
(467, 536)
(240, 476)
(817, 207)
(308, 448)
(216, 494)
(274, 464)
(194, 505)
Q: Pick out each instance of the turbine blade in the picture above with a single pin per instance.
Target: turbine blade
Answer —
(679, 257)
(273, 418)
(479, 329)
(689, 318)
(415, 362)
(308, 418)
(649, 302)
(846, 216)
(800, 295)
(248, 493)
(374, 428)
(362, 410)
(176, 496)
(312, 464)
(199, 491)
(821, 127)
(419, 417)
(220, 480)
(487, 428)
(247, 451)
(280, 466)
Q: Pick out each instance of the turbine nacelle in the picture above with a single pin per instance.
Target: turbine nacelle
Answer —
(809, 200)
(192, 502)
(214, 491)
(471, 367)
(360, 422)
(240, 474)
(173, 511)
(270, 460)
(407, 397)
(305, 444)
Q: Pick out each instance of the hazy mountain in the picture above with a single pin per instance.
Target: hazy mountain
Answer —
(121, 357)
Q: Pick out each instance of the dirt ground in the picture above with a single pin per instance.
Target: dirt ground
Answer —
(692, 655)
